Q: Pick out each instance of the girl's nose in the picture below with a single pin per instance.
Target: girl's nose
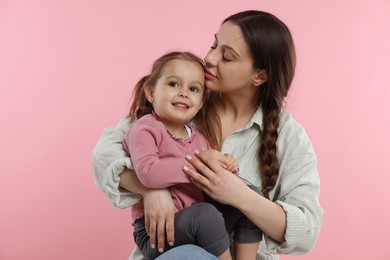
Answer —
(183, 93)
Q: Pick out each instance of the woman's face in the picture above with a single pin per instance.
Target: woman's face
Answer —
(229, 62)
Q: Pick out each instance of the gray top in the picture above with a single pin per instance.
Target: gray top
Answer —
(297, 188)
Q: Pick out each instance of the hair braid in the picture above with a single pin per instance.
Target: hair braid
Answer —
(269, 165)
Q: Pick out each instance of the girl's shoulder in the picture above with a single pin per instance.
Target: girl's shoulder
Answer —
(149, 123)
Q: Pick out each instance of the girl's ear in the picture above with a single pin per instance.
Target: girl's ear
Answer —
(259, 77)
(149, 92)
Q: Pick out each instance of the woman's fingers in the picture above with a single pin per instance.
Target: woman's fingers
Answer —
(197, 177)
(198, 180)
(159, 217)
(152, 233)
(161, 234)
(205, 165)
(169, 227)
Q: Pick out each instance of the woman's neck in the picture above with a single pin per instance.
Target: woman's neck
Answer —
(235, 111)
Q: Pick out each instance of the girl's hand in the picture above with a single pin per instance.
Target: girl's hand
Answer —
(217, 182)
(232, 164)
(226, 161)
(159, 217)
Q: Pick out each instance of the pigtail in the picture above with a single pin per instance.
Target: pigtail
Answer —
(140, 105)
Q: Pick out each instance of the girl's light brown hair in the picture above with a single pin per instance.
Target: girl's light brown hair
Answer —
(206, 123)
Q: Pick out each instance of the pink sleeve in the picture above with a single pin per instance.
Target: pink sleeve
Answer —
(153, 172)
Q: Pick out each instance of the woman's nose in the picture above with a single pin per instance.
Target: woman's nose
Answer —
(211, 59)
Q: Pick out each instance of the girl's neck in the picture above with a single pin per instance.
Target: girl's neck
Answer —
(177, 131)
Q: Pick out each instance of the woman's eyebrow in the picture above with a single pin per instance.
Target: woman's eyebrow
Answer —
(227, 46)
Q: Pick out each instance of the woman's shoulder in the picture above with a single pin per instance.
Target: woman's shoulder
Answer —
(290, 129)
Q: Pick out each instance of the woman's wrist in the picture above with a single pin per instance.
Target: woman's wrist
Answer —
(130, 182)
(267, 215)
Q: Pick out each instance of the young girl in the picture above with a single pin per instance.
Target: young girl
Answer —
(158, 141)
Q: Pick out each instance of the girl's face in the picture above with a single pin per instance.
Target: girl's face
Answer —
(178, 94)
(229, 61)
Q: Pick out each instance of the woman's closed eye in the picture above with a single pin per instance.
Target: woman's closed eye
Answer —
(226, 58)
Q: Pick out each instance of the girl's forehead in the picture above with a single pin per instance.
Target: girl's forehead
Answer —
(180, 64)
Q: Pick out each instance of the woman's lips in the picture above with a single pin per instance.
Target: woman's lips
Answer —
(209, 74)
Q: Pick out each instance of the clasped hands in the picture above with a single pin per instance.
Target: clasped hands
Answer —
(213, 175)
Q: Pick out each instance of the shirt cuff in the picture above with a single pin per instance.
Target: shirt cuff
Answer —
(119, 197)
(296, 233)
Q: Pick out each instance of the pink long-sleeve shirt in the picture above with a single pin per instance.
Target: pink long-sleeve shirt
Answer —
(158, 159)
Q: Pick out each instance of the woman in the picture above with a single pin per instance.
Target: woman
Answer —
(249, 68)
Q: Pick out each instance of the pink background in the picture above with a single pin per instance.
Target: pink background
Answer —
(66, 72)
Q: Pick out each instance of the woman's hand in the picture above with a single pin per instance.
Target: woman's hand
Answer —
(159, 209)
(227, 188)
(217, 182)
(159, 217)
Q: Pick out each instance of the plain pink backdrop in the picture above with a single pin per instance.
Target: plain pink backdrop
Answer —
(66, 72)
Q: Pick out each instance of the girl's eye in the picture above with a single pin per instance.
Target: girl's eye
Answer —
(194, 89)
(173, 84)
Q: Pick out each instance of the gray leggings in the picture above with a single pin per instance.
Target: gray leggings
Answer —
(244, 230)
(206, 224)
(200, 224)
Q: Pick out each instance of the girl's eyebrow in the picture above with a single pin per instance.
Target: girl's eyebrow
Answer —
(227, 46)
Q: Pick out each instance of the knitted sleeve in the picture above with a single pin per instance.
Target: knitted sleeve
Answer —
(109, 160)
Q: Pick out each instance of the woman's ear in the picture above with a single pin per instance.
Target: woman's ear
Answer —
(149, 91)
(259, 77)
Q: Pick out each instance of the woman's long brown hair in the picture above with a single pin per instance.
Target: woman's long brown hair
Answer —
(206, 123)
(272, 48)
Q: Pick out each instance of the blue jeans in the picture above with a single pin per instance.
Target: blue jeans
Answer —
(188, 252)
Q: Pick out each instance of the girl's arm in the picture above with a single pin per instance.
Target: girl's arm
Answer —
(112, 176)
(154, 155)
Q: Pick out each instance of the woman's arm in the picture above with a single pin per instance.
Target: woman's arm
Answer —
(227, 188)
(294, 214)
(109, 161)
